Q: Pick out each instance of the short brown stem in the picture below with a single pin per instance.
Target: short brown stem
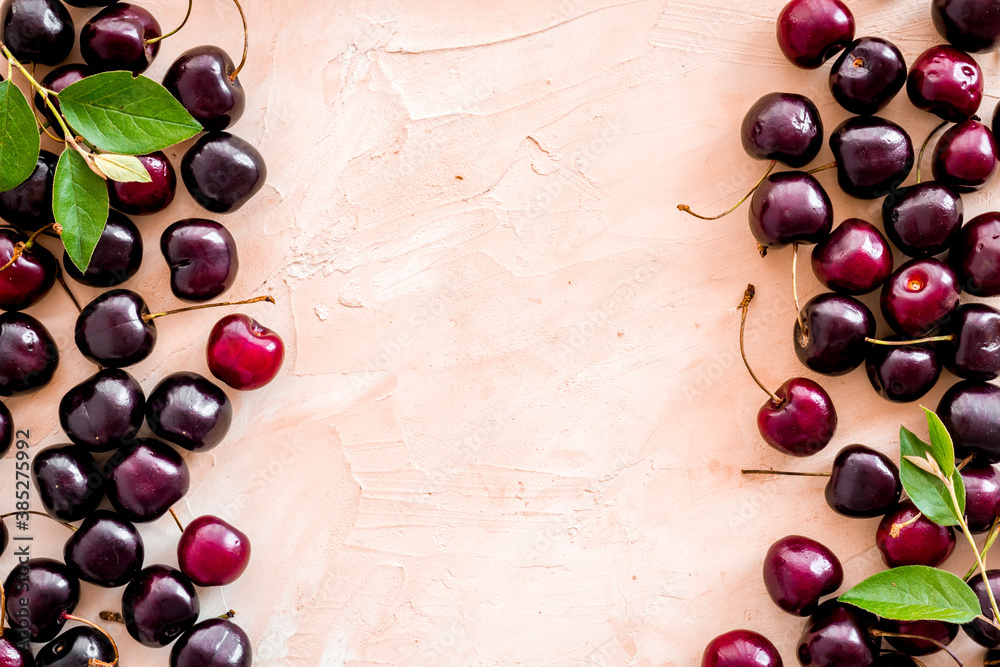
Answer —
(895, 528)
(176, 519)
(743, 308)
(803, 331)
(258, 299)
(787, 472)
(687, 209)
(829, 165)
(918, 341)
(14, 255)
(246, 42)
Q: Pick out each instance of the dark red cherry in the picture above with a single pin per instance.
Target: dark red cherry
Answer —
(835, 331)
(104, 411)
(790, 207)
(106, 550)
(38, 593)
(874, 156)
(76, 648)
(243, 353)
(111, 330)
(919, 296)
(864, 483)
(116, 258)
(68, 480)
(923, 219)
(736, 648)
(30, 277)
(222, 172)
(145, 479)
(810, 32)
(919, 541)
(854, 259)
(4, 537)
(212, 552)
(190, 411)
(29, 205)
(902, 373)
(798, 571)
(14, 651)
(37, 31)
(146, 198)
(975, 255)
(947, 82)
(971, 412)
(974, 354)
(943, 633)
(966, 156)
(219, 642)
(28, 355)
(802, 423)
(971, 25)
(202, 258)
(838, 635)
(982, 495)
(6, 433)
(118, 38)
(57, 80)
(978, 630)
(867, 75)
(199, 79)
(785, 127)
(159, 605)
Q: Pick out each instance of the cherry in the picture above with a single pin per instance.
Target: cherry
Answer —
(13, 652)
(56, 81)
(6, 433)
(212, 552)
(116, 258)
(810, 32)
(30, 276)
(833, 334)
(798, 571)
(947, 82)
(902, 373)
(222, 172)
(975, 255)
(39, 594)
(29, 205)
(854, 259)
(4, 537)
(145, 479)
(790, 207)
(923, 219)
(785, 127)
(736, 648)
(113, 329)
(907, 537)
(202, 81)
(190, 411)
(202, 258)
(920, 295)
(68, 480)
(970, 411)
(982, 496)
(943, 633)
(76, 648)
(974, 353)
(837, 635)
(979, 630)
(104, 411)
(38, 31)
(243, 353)
(867, 75)
(90, 3)
(874, 156)
(120, 37)
(864, 483)
(28, 355)
(159, 605)
(971, 25)
(966, 156)
(146, 198)
(106, 550)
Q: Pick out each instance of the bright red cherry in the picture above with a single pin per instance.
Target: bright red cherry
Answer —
(810, 32)
(146, 198)
(243, 353)
(801, 422)
(854, 259)
(212, 552)
(30, 277)
(907, 537)
(965, 156)
(741, 648)
(947, 82)
(919, 296)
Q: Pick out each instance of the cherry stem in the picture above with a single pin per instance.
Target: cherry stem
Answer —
(175, 30)
(923, 147)
(831, 165)
(990, 539)
(896, 528)
(246, 42)
(54, 226)
(176, 519)
(964, 462)
(112, 616)
(61, 523)
(687, 209)
(149, 317)
(14, 255)
(787, 472)
(69, 292)
(228, 615)
(901, 635)
(919, 341)
(744, 307)
(94, 662)
(803, 332)
(975, 550)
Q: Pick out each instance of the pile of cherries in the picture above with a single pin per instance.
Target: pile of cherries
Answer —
(834, 333)
(108, 457)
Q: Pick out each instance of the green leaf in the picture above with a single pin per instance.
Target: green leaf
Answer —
(19, 141)
(122, 114)
(123, 168)
(80, 203)
(942, 448)
(916, 593)
(926, 491)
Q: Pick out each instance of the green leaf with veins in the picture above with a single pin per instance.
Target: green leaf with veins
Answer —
(916, 593)
(926, 491)
(942, 448)
(80, 204)
(122, 168)
(19, 142)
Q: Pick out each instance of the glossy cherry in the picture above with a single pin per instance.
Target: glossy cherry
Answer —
(982, 495)
(798, 571)
(810, 32)
(947, 82)
(970, 410)
(837, 635)
(867, 75)
(69, 481)
(112, 332)
(218, 642)
(790, 207)
(212, 552)
(874, 156)
(243, 353)
(200, 80)
(966, 156)
(37, 31)
(919, 296)
(864, 483)
(836, 329)
(975, 255)
(736, 648)
(854, 259)
(76, 648)
(944, 633)
(924, 219)
(978, 630)
(202, 258)
(6, 432)
(146, 198)
(30, 277)
(40, 592)
(145, 479)
(28, 355)
(106, 550)
(13, 651)
(222, 172)
(903, 373)
(29, 205)
(159, 605)
(190, 411)
(970, 25)
(917, 539)
(116, 258)
(785, 127)
(104, 411)
(56, 81)
(974, 354)
(118, 38)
